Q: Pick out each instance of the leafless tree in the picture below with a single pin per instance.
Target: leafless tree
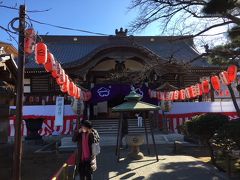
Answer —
(182, 16)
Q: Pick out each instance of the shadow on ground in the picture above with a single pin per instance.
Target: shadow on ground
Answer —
(170, 167)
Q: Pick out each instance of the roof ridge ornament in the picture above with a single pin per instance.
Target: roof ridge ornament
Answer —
(120, 32)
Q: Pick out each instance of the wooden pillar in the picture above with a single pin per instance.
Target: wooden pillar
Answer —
(180, 80)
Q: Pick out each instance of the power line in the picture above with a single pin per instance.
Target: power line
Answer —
(67, 28)
(29, 11)
(52, 25)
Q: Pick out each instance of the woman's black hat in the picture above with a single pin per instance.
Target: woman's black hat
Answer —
(87, 123)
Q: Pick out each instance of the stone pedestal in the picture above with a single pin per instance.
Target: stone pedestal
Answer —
(135, 141)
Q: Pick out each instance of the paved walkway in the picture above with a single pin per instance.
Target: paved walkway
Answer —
(170, 167)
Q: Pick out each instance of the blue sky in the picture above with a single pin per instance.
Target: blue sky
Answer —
(102, 16)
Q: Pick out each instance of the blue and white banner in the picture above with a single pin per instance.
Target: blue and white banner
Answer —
(59, 111)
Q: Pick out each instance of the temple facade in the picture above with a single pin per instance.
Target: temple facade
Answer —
(110, 66)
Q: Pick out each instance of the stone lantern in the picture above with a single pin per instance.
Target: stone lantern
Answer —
(133, 104)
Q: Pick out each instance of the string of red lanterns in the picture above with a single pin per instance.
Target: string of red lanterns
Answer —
(44, 57)
(194, 91)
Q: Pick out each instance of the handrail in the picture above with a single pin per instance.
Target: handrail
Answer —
(62, 173)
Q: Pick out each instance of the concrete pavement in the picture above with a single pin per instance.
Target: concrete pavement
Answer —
(170, 167)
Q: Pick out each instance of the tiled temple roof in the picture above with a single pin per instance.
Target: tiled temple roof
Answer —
(72, 49)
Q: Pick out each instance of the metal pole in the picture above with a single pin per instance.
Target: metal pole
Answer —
(146, 132)
(119, 138)
(153, 139)
(17, 156)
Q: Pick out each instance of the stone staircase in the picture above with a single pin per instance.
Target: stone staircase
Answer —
(108, 132)
(110, 126)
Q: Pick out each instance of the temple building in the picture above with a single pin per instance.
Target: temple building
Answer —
(110, 66)
(8, 76)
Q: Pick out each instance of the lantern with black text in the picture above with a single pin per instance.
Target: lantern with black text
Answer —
(193, 91)
(205, 86)
(176, 95)
(61, 78)
(215, 83)
(171, 95)
(50, 62)
(71, 91)
(78, 93)
(29, 41)
(41, 53)
(167, 96)
(187, 93)
(182, 94)
(224, 77)
(198, 89)
(232, 73)
(56, 69)
(64, 87)
(75, 90)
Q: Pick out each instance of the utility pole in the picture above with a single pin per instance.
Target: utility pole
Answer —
(17, 154)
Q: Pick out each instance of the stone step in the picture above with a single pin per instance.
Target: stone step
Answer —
(110, 126)
(110, 140)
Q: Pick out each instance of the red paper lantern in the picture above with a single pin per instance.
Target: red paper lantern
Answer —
(78, 93)
(56, 69)
(71, 90)
(41, 53)
(61, 78)
(176, 95)
(75, 90)
(162, 96)
(215, 83)
(227, 93)
(198, 89)
(50, 62)
(167, 94)
(187, 93)
(29, 41)
(224, 77)
(193, 91)
(171, 93)
(65, 86)
(182, 94)
(232, 73)
(205, 86)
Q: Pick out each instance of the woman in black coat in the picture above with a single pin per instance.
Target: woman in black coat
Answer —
(86, 162)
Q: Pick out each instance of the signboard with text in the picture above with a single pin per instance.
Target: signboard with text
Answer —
(59, 112)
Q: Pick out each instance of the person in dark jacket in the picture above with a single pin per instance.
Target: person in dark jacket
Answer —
(86, 162)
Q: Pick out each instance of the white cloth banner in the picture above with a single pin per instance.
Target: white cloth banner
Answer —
(201, 107)
(44, 110)
(59, 111)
